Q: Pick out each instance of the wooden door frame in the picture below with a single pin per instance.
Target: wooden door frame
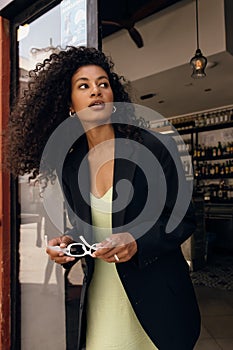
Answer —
(5, 255)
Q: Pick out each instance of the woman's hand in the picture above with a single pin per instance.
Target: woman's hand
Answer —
(119, 247)
(59, 257)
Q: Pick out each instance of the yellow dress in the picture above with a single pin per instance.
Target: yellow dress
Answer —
(111, 321)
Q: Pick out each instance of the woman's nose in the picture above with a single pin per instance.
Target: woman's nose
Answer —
(95, 91)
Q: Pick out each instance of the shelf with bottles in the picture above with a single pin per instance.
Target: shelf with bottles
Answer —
(213, 170)
(220, 192)
(217, 152)
(204, 121)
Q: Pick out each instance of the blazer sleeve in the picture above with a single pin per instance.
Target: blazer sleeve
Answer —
(71, 232)
(156, 242)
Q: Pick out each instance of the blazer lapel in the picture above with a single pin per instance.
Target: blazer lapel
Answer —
(80, 187)
(124, 169)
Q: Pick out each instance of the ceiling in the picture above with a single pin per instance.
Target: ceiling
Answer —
(175, 92)
(118, 14)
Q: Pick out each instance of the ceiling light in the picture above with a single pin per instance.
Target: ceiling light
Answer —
(167, 129)
(198, 62)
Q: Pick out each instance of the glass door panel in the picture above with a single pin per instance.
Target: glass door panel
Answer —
(42, 282)
(49, 294)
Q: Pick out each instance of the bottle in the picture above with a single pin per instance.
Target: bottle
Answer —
(214, 151)
(198, 151)
(200, 121)
(224, 152)
(226, 116)
(212, 119)
(207, 170)
(219, 149)
(224, 192)
(216, 168)
(208, 152)
(222, 169)
(231, 147)
(231, 115)
(195, 153)
(228, 148)
(197, 172)
(203, 170)
(203, 151)
(214, 193)
(196, 121)
(221, 117)
(207, 119)
(229, 193)
(220, 190)
(231, 167)
(216, 118)
(227, 168)
(212, 169)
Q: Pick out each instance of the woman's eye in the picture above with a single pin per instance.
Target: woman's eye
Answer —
(83, 86)
(104, 85)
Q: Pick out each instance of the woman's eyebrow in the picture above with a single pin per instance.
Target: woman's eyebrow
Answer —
(81, 78)
(86, 79)
(102, 77)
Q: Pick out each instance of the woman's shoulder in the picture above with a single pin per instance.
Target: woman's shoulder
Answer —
(76, 153)
(154, 139)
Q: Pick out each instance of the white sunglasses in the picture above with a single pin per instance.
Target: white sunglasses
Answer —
(76, 250)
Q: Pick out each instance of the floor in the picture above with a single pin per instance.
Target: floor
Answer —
(216, 308)
(43, 314)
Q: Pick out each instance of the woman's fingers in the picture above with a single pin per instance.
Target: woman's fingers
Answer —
(117, 248)
(58, 256)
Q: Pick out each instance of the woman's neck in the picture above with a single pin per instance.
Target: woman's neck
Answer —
(99, 134)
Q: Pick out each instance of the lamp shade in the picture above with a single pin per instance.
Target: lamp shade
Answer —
(198, 63)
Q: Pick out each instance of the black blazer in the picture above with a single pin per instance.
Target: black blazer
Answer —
(156, 279)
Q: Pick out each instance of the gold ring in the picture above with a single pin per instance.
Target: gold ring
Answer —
(116, 257)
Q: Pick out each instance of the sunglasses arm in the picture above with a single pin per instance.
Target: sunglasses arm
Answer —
(57, 248)
(93, 246)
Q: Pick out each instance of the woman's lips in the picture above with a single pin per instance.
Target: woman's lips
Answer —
(98, 106)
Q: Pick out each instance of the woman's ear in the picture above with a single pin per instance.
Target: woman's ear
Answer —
(71, 110)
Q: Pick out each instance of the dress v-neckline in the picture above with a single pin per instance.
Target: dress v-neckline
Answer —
(104, 195)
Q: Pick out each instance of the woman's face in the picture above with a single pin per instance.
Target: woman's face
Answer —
(91, 94)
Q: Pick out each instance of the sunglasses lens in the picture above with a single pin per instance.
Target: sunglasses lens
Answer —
(77, 249)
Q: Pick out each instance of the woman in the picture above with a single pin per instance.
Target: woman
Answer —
(137, 293)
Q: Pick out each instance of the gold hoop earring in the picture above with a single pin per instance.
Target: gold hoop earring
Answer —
(114, 109)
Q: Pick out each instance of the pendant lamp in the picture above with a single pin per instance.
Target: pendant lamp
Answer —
(198, 62)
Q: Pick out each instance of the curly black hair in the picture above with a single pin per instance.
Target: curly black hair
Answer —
(46, 104)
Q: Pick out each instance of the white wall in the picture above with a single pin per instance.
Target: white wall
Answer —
(169, 39)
